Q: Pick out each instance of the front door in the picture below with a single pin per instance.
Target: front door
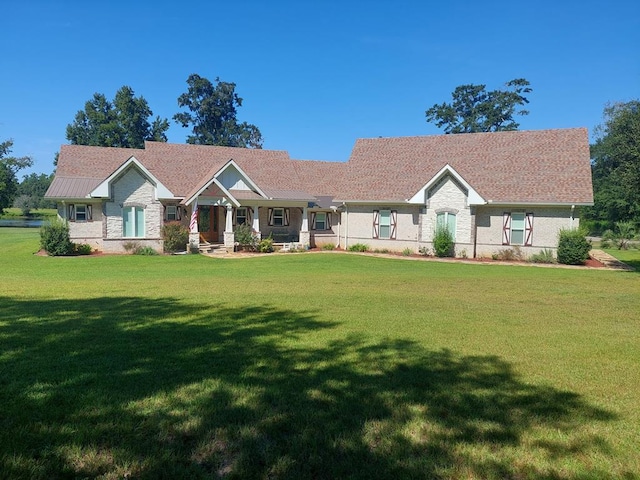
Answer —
(208, 223)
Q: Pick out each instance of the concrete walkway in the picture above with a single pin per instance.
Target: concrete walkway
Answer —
(609, 260)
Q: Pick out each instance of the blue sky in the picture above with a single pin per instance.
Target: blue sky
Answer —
(314, 76)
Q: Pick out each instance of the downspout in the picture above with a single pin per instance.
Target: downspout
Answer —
(346, 226)
(571, 218)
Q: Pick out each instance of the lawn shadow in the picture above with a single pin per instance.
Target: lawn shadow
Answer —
(119, 387)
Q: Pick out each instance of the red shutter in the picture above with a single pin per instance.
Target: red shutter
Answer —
(270, 216)
(506, 228)
(72, 213)
(528, 229)
(286, 217)
(313, 220)
(376, 224)
(89, 213)
(394, 221)
(327, 224)
(250, 216)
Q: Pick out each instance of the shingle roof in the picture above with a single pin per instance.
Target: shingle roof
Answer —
(546, 166)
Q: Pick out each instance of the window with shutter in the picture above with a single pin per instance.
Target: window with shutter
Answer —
(528, 229)
(376, 224)
(506, 228)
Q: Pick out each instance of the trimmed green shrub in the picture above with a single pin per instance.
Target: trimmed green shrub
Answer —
(407, 252)
(266, 245)
(545, 256)
(245, 237)
(443, 243)
(145, 251)
(328, 246)
(54, 239)
(175, 236)
(358, 247)
(573, 247)
(82, 249)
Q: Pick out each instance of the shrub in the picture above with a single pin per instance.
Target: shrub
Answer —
(131, 246)
(573, 247)
(358, 247)
(328, 246)
(54, 239)
(245, 237)
(426, 251)
(443, 242)
(510, 254)
(145, 251)
(407, 252)
(82, 249)
(175, 236)
(545, 256)
(266, 245)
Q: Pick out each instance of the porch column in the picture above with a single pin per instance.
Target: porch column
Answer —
(229, 239)
(256, 223)
(305, 236)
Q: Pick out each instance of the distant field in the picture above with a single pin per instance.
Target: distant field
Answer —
(314, 365)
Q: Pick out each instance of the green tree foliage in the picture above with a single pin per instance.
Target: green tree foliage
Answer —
(9, 166)
(443, 244)
(32, 189)
(615, 159)
(121, 123)
(213, 116)
(474, 109)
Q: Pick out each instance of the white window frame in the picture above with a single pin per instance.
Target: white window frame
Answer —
(135, 225)
(381, 224)
(446, 218)
(278, 217)
(172, 213)
(242, 215)
(80, 213)
(523, 221)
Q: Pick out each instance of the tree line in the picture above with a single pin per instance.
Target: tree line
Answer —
(210, 110)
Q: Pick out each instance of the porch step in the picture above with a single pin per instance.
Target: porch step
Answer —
(212, 248)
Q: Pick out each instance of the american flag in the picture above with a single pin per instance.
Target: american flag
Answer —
(193, 224)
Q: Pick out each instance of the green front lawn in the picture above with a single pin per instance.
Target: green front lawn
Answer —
(630, 256)
(315, 365)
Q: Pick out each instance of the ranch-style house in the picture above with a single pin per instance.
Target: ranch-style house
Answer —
(492, 190)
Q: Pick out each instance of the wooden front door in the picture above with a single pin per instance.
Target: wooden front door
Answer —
(208, 223)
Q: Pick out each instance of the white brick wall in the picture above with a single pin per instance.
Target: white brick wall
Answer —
(547, 222)
(447, 195)
(133, 189)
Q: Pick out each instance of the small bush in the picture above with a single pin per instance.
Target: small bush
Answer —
(175, 236)
(54, 239)
(328, 246)
(426, 251)
(510, 254)
(545, 256)
(407, 252)
(358, 247)
(131, 246)
(245, 237)
(82, 249)
(443, 242)
(266, 245)
(573, 247)
(145, 251)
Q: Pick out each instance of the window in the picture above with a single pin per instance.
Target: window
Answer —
(320, 221)
(517, 228)
(80, 213)
(448, 220)
(133, 222)
(279, 217)
(172, 213)
(384, 224)
(241, 216)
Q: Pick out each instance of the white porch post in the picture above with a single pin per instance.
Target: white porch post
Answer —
(229, 239)
(305, 236)
(256, 222)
